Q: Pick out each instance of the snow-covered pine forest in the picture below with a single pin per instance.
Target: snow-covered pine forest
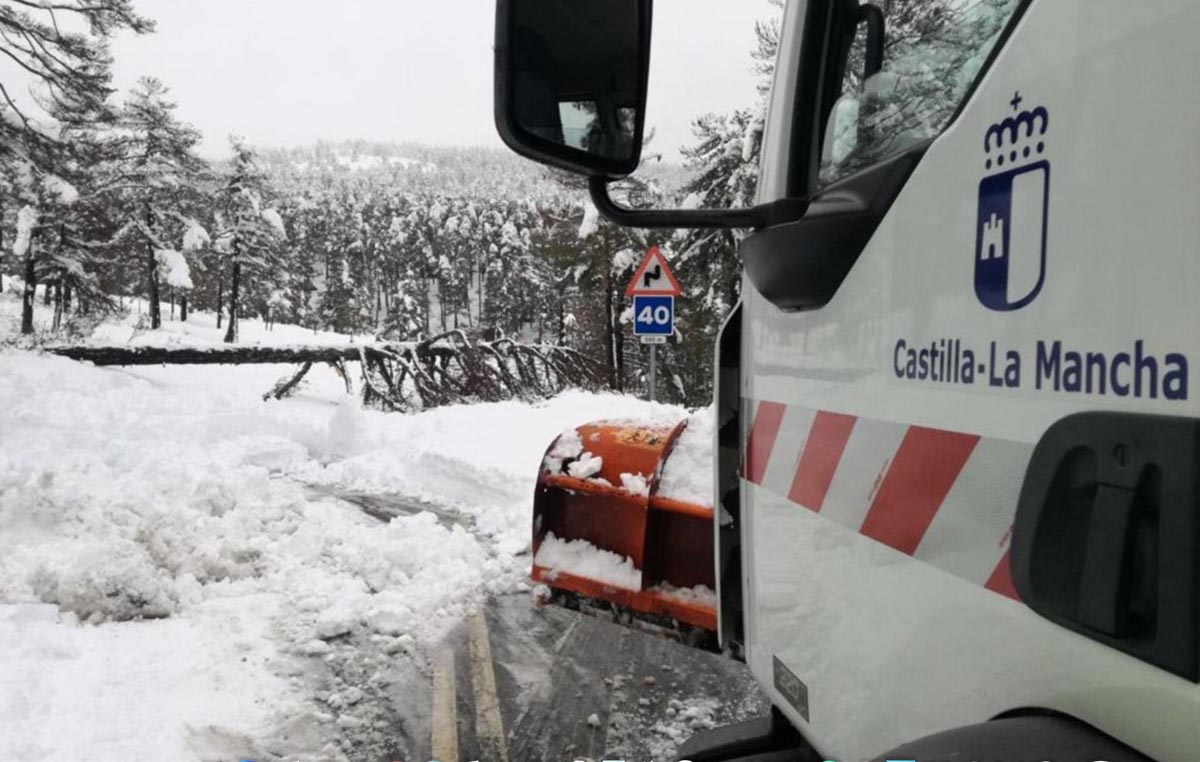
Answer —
(106, 206)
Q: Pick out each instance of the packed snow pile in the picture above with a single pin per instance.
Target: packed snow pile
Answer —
(701, 594)
(169, 542)
(583, 559)
(688, 473)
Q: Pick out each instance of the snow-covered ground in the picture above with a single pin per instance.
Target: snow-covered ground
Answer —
(178, 579)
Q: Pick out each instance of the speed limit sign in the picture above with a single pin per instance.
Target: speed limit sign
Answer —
(653, 315)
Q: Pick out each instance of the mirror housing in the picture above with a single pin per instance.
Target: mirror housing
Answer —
(570, 82)
(570, 92)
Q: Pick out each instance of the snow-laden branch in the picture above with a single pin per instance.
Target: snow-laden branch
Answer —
(26, 220)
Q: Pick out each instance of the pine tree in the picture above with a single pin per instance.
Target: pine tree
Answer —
(247, 232)
(70, 69)
(155, 182)
(70, 72)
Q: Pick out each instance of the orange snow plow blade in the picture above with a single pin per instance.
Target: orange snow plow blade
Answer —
(646, 554)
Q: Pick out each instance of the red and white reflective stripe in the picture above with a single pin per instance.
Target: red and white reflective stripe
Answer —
(944, 497)
(761, 440)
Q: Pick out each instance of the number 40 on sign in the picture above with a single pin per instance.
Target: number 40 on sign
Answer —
(653, 315)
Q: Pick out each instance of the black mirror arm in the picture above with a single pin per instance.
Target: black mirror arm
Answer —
(876, 36)
(750, 218)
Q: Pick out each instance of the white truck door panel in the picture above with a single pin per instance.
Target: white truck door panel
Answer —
(1012, 283)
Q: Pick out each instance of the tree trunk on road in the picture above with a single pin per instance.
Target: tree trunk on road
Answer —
(247, 355)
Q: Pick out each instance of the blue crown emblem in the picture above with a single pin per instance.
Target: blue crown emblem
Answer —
(1010, 238)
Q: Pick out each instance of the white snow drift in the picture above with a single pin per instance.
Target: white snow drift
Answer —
(170, 555)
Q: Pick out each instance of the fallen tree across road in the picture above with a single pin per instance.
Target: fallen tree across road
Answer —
(448, 368)
(206, 355)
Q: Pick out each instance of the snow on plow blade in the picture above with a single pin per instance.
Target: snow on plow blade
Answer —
(602, 531)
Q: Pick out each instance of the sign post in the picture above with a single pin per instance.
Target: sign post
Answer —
(653, 289)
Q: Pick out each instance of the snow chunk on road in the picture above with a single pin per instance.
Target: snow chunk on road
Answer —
(688, 473)
(583, 559)
(684, 719)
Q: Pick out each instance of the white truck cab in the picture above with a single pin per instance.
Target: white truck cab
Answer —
(958, 449)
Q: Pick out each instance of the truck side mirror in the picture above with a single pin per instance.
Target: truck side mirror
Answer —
(571, 82)
(571, 92)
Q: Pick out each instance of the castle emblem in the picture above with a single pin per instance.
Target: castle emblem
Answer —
(1014, 195)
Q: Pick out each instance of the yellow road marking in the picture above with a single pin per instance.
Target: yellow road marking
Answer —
(445, 708)
(489, 726)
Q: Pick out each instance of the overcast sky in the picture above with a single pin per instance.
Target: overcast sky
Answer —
(291, 72)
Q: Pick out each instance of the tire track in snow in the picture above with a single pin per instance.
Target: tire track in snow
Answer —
(385, 507)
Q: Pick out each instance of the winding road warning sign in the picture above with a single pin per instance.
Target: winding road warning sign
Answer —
(653, 277)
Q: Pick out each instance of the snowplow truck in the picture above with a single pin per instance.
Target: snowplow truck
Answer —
(954, 512)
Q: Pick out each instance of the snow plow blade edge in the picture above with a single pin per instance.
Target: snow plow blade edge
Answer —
(651, 556)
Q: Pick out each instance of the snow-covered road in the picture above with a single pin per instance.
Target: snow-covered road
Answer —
(179, 580)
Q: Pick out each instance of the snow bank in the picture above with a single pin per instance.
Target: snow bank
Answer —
(194, 688)
(584, 559)
(688, 473)
(170, 554)
(482, 458)
(132, 502)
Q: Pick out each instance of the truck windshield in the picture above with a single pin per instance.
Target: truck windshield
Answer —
(932, 54)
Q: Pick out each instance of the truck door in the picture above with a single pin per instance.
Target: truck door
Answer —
(968, 475)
